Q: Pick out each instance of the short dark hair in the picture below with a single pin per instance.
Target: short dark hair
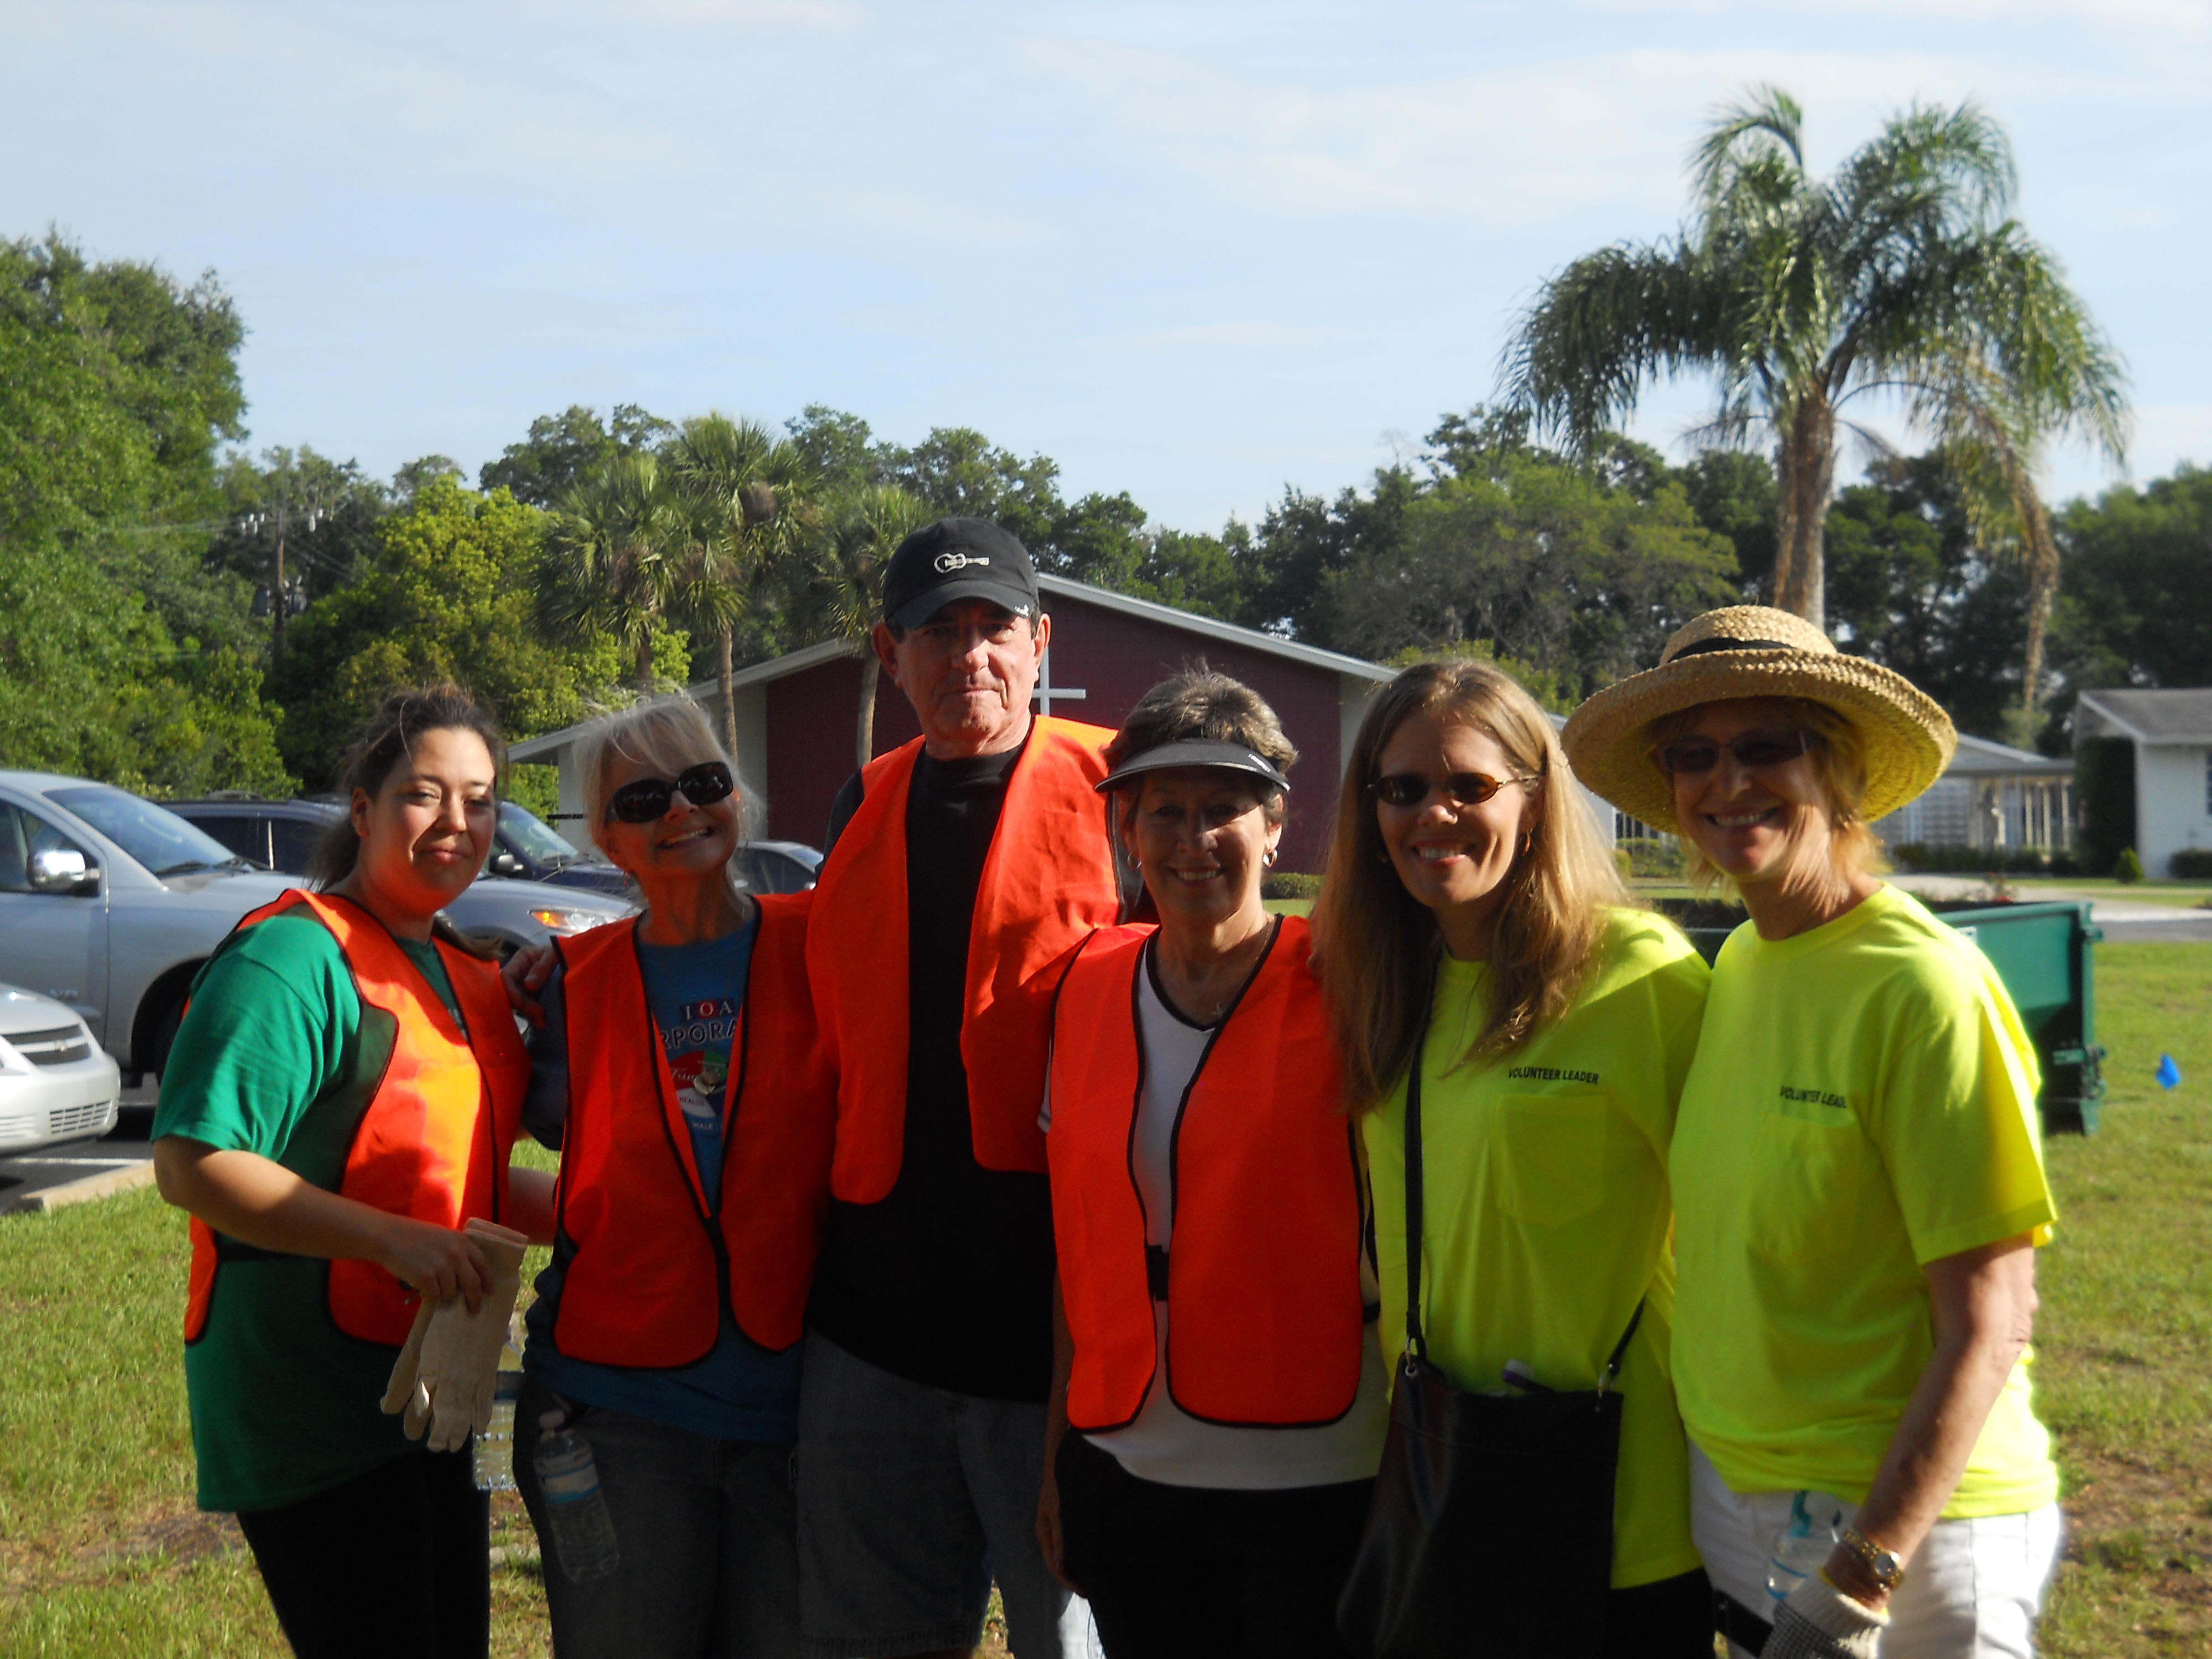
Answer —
(1199, 705)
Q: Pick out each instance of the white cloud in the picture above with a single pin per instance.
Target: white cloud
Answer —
(1501, 146)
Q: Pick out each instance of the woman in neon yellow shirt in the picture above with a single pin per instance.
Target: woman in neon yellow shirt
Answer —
(1467, 896)
(1857, 1172)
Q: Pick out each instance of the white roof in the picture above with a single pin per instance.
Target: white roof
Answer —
(2180, 716)
(1978, 758)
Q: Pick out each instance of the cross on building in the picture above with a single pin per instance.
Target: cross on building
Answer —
(1046, 690)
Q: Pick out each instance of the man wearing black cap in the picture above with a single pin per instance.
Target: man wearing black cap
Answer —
(958, 866)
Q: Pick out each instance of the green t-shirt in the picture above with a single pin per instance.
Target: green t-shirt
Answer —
(1862, 1104)
(1546, 1209)
(278, 1056)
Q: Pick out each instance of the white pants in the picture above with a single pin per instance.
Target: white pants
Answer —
(1973, 1591)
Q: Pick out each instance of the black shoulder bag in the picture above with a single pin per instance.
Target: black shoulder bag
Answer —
(1492, 1527)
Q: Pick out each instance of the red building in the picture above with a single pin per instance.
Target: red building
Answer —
(797, 717)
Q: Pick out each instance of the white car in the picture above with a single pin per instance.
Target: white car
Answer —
(56, 1084)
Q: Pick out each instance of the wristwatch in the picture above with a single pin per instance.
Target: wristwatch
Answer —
(1887, 1569)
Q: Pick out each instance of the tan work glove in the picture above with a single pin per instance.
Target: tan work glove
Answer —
(400, 1393)
(1819, 1621)
(457, 1356)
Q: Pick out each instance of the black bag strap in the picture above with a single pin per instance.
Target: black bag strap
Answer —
(1417, 1344)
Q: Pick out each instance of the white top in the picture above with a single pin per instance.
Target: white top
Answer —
(1164, 1444)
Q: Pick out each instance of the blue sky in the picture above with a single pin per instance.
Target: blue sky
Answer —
(1197, 250)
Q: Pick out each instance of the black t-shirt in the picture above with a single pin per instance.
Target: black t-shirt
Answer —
(948, 1279)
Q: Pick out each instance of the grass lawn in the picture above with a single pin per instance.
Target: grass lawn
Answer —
(101, 1550)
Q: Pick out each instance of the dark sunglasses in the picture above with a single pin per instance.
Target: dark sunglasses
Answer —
(1463, 789)
(1693, 756)
(646, 798)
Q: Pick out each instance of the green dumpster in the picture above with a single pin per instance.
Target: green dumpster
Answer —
(2041, 952)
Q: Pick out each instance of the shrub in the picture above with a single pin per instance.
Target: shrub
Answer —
(1919, 858)
(2105, 790)
(2129, 870)
(1289, 884)
(1620, 863)
(2191, 863)
(1651, 855)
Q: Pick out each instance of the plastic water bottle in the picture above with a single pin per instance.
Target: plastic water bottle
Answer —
(1801, 1548)
(493, 1452)
(583, 1531)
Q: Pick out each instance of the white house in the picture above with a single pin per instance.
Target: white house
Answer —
(1990, 797)
(2172, 732)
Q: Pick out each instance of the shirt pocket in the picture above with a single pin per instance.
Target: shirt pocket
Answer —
(1548, 1155)
(1802, 1201)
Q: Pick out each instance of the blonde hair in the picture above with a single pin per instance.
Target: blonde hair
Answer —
(1378, 945)
(1839, 770)
(663, 734)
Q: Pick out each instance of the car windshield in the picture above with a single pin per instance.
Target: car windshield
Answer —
(152, 834)
(542, 844)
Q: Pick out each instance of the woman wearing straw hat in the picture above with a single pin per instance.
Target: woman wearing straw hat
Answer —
(1217, 1359)
(1473, 934)
(1858, 1177)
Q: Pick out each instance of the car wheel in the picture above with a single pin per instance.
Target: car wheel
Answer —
(165, 1035)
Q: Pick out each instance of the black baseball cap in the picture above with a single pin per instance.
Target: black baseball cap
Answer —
(959, 559)
(1194, 752)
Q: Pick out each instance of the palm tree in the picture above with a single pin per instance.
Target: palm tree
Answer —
(865, 530)
(748, 496)
(613, 561)
(1898, 275)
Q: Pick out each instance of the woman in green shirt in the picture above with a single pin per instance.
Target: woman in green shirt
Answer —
(1858, 1174)
(1469, 896)
(367, 1543)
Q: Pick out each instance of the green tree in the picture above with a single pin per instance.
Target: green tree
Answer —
(865, 527)
(562, 448)
(2132, 608)
(1913, 586)
(449, 597)
(1535, 560)
(615, 560)
(1898, 275)
(747, 498)
(121, 657)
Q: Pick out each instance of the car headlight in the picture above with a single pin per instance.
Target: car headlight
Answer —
(568, 921)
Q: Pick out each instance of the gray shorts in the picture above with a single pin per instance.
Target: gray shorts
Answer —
(912, 1501)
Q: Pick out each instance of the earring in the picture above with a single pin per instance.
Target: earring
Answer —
(1268, 858)
(1527, 841)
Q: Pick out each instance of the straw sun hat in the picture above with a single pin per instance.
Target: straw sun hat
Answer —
(1751, 651)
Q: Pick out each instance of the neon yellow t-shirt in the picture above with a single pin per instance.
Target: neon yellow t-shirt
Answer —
(1546, 1211)
(1862, 1104)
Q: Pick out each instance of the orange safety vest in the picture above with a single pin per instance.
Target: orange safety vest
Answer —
(433, 1144)
(1048, 880)
(1262, 1278)
(647, 1261)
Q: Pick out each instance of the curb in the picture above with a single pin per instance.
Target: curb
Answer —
(106, 1184)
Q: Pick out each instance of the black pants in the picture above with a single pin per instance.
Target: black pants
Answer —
(395, 1561)
(1175, 1570)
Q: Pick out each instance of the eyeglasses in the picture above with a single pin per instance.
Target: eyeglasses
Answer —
(1461, 789)
(646, 798)
(1693, 756)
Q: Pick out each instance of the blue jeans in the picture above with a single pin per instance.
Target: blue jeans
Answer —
(911, 1501)
(707, 1530)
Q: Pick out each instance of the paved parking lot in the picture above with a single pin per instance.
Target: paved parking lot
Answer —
(56, 1166)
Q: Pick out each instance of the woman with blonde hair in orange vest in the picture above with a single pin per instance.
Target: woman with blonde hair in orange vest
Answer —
(1475, 936)
(679, 1071)
(336, 1113)
(1215, 1356)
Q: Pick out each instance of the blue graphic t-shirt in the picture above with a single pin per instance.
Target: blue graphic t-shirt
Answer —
(739, 1391)
(694, 993)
